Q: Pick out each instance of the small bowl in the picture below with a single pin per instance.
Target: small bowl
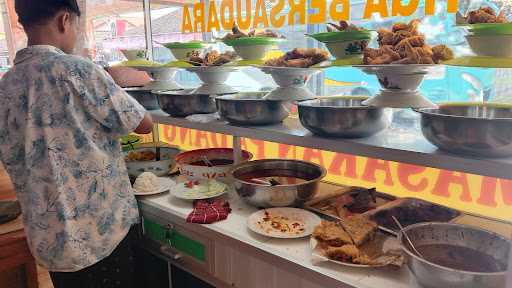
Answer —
(182, 103)
(252, 48)
(291, 82)
(182, 51)
(192, 166)
(252, 109)
(345, 49)
(144, 96)
(405, 77)
(159, 168)
(459, 238)
(134, 54)
(470, 128)
(264, 195)
(491, 45)
(343, 117)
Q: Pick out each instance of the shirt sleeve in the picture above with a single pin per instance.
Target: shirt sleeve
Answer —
(106, 102)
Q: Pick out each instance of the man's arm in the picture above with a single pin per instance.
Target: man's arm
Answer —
(145, 126)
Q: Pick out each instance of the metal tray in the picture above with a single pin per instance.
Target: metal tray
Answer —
(383, 200)
(408, 211)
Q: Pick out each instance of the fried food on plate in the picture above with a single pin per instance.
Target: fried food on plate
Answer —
(486, 15)
(299, 58)
(236, 33)
(331, 234)
(404, 44)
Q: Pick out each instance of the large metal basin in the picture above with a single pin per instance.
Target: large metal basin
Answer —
(184, 103)
(343, 117)
(263, 195)
(144, 96)
(252, 109)
(432, 275)
(474, 129)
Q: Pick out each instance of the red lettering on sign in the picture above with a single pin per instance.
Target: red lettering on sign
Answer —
(405, 171)
(284, 150)
(260, 146)
(348, 162)
(214, 141)
(489, 188)
(447, 178)
(374, 165)
(310, 154)
(169, 133)
(200, 136)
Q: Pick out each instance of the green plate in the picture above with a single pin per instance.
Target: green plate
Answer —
(341, 36)
(348, 61)
(130, 142)
(184, 45)
(177, 64)
(480, 61)
(249, 41)
(490, 28)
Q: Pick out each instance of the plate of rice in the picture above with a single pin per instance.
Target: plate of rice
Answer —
(149, 184)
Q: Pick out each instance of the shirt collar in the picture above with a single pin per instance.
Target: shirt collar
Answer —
(26, 53)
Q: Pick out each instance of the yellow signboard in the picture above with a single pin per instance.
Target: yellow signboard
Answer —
(215, 16)
(488, 196)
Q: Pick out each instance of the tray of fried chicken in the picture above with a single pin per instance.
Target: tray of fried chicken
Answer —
(354, 241)
(404, 44)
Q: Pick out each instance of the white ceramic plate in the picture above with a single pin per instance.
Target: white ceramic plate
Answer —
(182, 192)
(277, 69)
(222, 68)
(305, 219)
(164, 185)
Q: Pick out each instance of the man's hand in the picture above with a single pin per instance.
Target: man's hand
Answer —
(145, 126)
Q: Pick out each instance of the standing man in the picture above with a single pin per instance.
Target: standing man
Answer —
(60, 118)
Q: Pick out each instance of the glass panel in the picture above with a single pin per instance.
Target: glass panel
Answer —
(114, 25)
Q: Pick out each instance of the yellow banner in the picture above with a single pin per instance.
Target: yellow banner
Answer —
(221, 15)
(488, 196)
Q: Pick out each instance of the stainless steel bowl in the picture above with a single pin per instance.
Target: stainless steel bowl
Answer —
(343, 117)
(183, 102)
(432, 275)
(262, 195)
(252, 109)
(144, 96)
(474, 129)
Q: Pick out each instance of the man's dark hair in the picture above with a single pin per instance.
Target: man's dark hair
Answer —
(33, 12)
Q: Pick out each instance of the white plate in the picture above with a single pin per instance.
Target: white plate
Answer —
(277, 69)
(184, 193)
(222, 68)
(164, 185)
(308, 219)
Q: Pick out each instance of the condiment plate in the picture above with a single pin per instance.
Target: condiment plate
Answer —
(261, 222)
(164, 185)
(211, 190)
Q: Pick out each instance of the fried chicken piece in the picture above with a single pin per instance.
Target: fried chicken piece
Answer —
(414, 41)
(360, 229)
(363, 260)
(331, 234)
(485, 15)
(345, 253)
(399, 26)
(441, 53)
(385, 37)
(300, 63)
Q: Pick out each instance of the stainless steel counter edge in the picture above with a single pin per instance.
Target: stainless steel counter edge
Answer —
(405, 146)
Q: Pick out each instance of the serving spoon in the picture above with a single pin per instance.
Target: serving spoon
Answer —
(407, 237)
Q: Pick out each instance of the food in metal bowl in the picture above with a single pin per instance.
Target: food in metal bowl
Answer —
(470, 128)
(252, 109)
(213, 163)
(183, 103)
(456, 256)
(343, 117)
(277, 182)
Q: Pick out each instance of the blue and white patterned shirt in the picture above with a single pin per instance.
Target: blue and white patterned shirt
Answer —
(60, 119)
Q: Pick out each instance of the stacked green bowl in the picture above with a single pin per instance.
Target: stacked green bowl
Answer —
(346, 46)
(252, 50)
(490, 39)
